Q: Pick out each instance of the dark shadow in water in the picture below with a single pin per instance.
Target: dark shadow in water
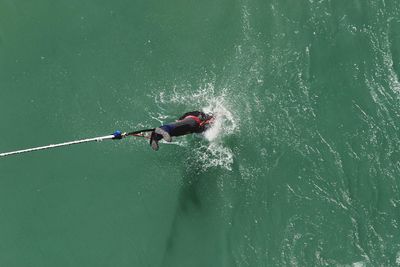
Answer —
(196, 199)
(197, 236)
(189, 195)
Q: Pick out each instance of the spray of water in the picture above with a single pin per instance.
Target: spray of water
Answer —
(213, 152)
(224, 123)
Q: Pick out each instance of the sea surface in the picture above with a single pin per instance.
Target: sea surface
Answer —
(302, 167)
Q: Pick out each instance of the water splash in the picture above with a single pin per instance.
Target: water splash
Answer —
(213, 152)
(215, 155)
(224, 122)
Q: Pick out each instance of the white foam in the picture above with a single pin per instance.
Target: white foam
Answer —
(215, 155)
(176, 143)
(359, 264)
(224, 122)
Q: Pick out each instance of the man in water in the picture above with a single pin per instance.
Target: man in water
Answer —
(190, 122)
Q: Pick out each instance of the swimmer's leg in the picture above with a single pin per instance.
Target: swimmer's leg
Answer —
(166, 136)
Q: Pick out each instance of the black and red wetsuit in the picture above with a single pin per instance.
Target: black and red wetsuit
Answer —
(190, 122)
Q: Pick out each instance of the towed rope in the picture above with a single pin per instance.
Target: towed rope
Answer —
(117, 135)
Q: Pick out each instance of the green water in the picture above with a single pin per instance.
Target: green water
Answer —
(302, 169)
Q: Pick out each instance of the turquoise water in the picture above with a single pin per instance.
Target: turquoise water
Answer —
(301, 169)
